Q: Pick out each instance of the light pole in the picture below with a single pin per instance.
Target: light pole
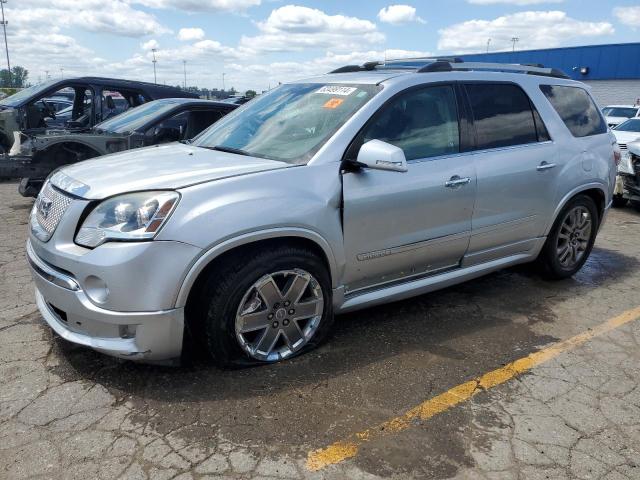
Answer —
(488, 42)
(46, 74)
(61, 72)
(184, 65)
(153, 51)
(514, 40)
(223, 74)
(6, 45)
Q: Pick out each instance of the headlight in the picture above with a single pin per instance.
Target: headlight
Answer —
(129, 217)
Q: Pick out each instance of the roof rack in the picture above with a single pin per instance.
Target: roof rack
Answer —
(429, 65)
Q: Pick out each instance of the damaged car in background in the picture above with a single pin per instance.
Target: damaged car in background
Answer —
(629, 173)
(94, 99)
(157, 122)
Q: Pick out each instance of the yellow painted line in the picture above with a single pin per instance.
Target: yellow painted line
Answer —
(344, 449)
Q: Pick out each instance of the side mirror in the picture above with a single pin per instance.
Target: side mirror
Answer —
(379, 155)
(111, 105)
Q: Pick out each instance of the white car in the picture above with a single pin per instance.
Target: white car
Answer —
(625, 133)
(616, 114)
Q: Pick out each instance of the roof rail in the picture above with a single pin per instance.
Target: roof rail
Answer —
(453, 64)
(530, 69)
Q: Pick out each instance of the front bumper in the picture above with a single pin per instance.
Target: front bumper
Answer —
(154, 336)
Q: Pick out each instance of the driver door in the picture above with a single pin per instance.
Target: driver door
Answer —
(399, 225)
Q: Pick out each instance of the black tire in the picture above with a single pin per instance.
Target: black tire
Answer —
(548, 258)
(635, 204)
(226, 285)
(619, 201)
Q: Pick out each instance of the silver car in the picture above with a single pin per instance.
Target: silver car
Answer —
(367, 185)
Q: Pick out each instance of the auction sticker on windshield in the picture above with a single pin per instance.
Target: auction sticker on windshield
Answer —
(333, 103)
(336, 90)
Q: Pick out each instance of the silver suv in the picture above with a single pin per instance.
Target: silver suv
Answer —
(367, 185)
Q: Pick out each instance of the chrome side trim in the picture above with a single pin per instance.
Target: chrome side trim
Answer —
(49, 273)
(411, 246)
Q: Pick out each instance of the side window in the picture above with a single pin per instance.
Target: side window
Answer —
(201, 119)
(501, 114)
(423, 123)
(82, 107)
(541, 129)
(576, 108)
(168, 130)
(113, 103)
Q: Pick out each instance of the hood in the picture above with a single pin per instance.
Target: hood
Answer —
(634, 148)
(625, 137)
(164, 167)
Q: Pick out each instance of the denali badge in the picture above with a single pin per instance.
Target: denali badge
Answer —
(44, 207)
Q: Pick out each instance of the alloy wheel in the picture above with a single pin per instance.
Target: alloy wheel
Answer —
(573, 237)
(279, 314)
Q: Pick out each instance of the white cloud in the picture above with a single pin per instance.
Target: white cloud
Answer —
(115, 17)
(190, 34)
(399, 14)
(234, 6)
(150, 45)
(534, 30)
(628, 15)
(293, 27)
(512, 2)
(261, 75)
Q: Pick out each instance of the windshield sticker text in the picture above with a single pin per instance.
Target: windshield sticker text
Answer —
(336, 90)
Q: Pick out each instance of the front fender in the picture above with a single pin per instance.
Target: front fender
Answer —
(302, 202)
(211, 254)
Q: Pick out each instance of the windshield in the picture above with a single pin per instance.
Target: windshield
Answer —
(26, 93)
(620, 112)
(288, 124)
(632, 125)
(138, 117)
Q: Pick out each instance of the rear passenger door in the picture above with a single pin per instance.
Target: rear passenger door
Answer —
(400, 225)
(516, 165)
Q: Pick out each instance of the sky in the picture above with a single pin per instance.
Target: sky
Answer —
(258, 43)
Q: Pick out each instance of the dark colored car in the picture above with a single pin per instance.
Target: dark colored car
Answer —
(94, 100)
(34, 156)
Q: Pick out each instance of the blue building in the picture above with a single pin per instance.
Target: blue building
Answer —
(613, 71)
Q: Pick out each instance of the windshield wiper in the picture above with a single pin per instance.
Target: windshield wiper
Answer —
(222, 148)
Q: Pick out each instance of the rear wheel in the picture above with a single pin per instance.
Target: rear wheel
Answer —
(635, 204)
(571, 239)
(272, 306)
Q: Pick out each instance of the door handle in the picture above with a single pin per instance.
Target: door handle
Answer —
(457, 181)
(545, 166)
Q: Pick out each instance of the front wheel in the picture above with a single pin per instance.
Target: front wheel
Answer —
(266, 307)
(571, 239)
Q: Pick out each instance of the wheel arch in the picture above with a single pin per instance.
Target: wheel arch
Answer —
(244, 244)
(71, 143)
(596, 191)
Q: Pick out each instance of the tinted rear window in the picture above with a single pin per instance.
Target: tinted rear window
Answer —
(502, 115)
(576, 108)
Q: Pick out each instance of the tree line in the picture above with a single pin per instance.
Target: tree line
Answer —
(16, 78)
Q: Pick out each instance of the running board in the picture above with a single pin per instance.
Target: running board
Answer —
(408, 289)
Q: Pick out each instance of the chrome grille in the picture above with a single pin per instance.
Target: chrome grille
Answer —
(49, 209)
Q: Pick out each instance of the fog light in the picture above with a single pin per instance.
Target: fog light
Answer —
(127, 331)
(96, 289)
